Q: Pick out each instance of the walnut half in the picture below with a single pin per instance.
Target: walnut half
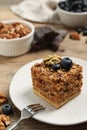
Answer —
(3, 98)
(4, 121)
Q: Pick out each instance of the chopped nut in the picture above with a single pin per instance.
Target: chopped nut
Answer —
(4, 121)
(3, 98)
(15, 30)
(75, 35)
(52, 59)
(1, 25)
(86, 41)
(2, 126)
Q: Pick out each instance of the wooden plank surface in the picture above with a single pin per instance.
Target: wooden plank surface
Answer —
(9, 66)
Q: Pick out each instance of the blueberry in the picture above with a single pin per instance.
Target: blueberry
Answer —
(62, 5)
(84, 32)
(70, 1)
(85, 9)
(66, 63)
(56, 66)
(79, 30)
(85, 2)
(66, 8)
(78, 10)
(74, 5)
(7, 109)
(77, 2)
(85, 28)
(80, 6)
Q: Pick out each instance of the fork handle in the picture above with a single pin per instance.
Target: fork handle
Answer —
(11, 127)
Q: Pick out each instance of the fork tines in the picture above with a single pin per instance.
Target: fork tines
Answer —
(35, 107)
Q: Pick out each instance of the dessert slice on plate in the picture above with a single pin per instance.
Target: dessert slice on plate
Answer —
(57, 80)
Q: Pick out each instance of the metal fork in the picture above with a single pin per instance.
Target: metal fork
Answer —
(27, 112)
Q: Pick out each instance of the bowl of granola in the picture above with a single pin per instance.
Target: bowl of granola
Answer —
(16, 37)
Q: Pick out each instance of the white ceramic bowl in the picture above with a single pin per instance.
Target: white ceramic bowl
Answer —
(70, 18)
(17, 46)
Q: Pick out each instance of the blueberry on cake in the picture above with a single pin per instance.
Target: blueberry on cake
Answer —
(57, 80)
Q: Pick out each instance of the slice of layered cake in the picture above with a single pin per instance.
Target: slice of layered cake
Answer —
(57, 80)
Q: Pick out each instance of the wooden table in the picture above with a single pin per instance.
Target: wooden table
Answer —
(9, 66)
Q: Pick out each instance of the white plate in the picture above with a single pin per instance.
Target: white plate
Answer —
(73, 112)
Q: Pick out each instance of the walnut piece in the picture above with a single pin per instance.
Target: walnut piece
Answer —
(74, 36)
(4, 121)
(52, 59)
(2, 126)
(14, 30)
(3, 98)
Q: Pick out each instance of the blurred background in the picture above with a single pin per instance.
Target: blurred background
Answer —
(7, 3)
